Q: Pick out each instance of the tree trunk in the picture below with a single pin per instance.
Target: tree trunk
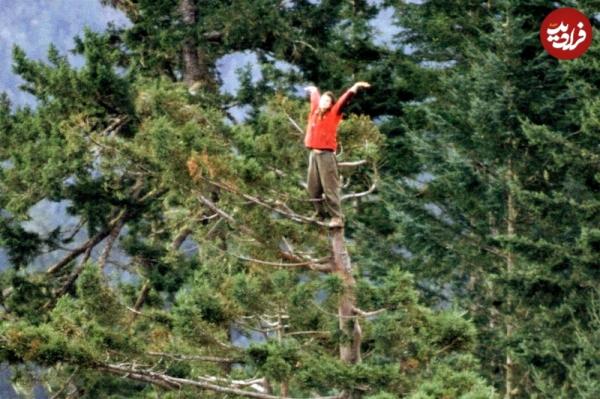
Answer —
(141, 298)
(348, 320)
(510, 231)
(110, 240)
(195, 63)
(350, 346)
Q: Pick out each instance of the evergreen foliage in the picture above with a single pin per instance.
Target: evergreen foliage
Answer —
(474, 261)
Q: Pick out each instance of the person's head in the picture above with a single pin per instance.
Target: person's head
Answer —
(327, 100)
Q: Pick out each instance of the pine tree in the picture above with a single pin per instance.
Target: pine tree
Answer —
(262, 300)
(491, 219)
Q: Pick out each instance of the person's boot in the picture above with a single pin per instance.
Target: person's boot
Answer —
(335, 222)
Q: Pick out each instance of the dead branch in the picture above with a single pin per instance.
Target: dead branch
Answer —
(186, 231)
(213, 359)
(293, 122)
(289, 255)
(367, 192)
(76, 230)
(211, 205)
(278, 206)
(361, 194)
(258, 384)
(324, 333)
(66, 384)
(367, 314)
(351, 164)
(180, 238)
(287, 252)
(213, 36)
(169, 382)
(116, 125)
(314, 265)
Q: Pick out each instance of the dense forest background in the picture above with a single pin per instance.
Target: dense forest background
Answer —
(157, 240)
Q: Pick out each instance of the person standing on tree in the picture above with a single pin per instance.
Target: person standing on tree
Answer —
(323, 178)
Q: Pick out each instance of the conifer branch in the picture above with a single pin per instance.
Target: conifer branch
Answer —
(75, 230)
(277, 206)
(70, 281)
(143, 295)
(213, 207)
(361, 194)
(91, 243)
(286, 254)
(367, 192)
(112, 229)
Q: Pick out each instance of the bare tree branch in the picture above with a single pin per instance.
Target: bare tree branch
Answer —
(294, 123)
(367, 314)
(369, 191)
(116, 125)
(180, 238)
(310, 264)
(76, 230)
(213, 36)
(351, 164)
(61, 390)
(212, 206)
(361, 194)
(169, 382)
(324, 333)
(289, 255)
(278, 206)
(213, 359)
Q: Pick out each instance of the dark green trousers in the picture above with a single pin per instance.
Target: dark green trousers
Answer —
(323, 178)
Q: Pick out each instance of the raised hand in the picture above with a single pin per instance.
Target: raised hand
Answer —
(360, 85)
(310, 89)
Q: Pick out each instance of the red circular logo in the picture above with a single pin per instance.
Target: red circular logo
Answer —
(566, 33)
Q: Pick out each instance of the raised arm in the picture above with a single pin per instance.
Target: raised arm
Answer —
(314, 97)
(345, 98)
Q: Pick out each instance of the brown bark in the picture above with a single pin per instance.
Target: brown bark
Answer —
(180, 238)
(510, 231)
(92, 242)
(71, 280)
(110, 240)
(143, 295)
(349, 324)
(118, 224)
(195, 60)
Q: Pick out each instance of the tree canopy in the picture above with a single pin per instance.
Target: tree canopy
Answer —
(468, 264)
